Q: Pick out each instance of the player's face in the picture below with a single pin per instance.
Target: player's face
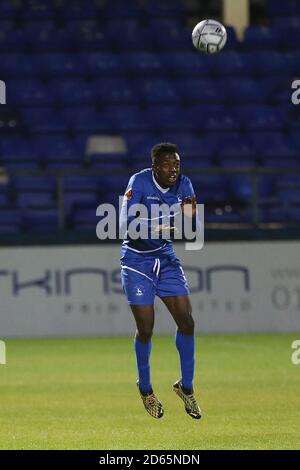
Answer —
(166, 171)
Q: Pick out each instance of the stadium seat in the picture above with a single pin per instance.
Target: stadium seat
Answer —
(11, 221)
(32, 92)
(260, 117)
(185, 63)
(242, 90)
(130, 118)
(75, 91)
(59, 64)
(35, 199)
(116, 91)
(78, 9)
(261, 38)
(103, 64)
(40, 219)
(143, 64)
(119, 9)
(43, 120)
(18, 66)
(86, 118)
(156, 91)
(12, 40)
(198, 90)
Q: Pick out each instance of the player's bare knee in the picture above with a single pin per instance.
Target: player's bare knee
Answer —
(187, 326)
(145, 335)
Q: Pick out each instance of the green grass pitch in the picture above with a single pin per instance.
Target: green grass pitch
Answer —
(80, 393)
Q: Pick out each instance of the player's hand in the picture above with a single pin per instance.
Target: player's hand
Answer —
(189, 205)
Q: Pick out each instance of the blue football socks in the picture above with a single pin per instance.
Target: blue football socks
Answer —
(143, 351)
(186, 348)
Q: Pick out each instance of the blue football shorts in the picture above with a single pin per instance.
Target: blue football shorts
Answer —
(145, 277)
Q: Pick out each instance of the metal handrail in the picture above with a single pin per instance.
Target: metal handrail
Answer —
(254, 172)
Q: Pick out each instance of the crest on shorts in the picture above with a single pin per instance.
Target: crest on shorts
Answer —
(139, 291)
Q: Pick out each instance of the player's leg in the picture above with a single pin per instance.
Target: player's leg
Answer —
(144, 317)
(181, 310)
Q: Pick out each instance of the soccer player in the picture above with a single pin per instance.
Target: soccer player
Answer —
(149, 267)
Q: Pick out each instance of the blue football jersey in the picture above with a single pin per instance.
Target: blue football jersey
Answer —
(144, 189)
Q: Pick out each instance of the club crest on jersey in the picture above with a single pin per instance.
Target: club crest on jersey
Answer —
(128, 194)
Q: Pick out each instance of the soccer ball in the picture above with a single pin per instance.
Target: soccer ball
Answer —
(209, 36)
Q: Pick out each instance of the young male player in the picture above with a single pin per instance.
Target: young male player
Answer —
(150, 267)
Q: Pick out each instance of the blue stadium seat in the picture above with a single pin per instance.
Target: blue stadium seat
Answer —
(49, 40)
(10, 221)
(260, 38)
(120, 9)
(85, 218)
(32, 92)
(12, 148)
(75, 91)
(57, 148)
(241, 187)
(103, 63)
(41, 220)
(167, 118)
(284, 162)
(238, 164)
(75, 199)
(232, 40)
(279, 8)
(18, 65)
(86, 118)
(34, 183)
(12, 40)
(38, 10)
(8, 9)
(88, 35)
(185, 63)
(272, 64)
(167, 8)
(260, 117)
(232, 145)
(198, 90)
(210, 187)
(82, 183)
(36, 199)
(116, 90)
(43, 120)
(130, 118)
(270, 145)
(140, 144)
(213, 117)
(242, 90)
(232, 64)
(177, 38)
(78, 9)
(193, 147)
(143, 63)
(133, 38)
(60, 64)
(157, 91)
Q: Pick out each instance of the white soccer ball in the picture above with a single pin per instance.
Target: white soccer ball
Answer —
(209, 36)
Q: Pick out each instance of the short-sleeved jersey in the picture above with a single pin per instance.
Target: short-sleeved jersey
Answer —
(144, 189)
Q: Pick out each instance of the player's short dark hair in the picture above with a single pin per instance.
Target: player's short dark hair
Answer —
(162, 149)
